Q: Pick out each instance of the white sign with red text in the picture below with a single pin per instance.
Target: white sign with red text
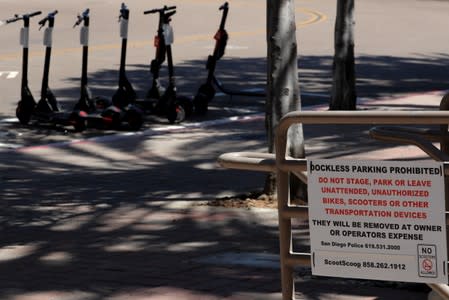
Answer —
(382, 220)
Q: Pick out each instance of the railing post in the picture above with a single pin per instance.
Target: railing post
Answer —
(285, 235)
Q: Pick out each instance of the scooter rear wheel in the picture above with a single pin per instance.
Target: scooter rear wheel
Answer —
(176, 114)
(134, 117)
(186, 104)
(23, 113)
(78, 120)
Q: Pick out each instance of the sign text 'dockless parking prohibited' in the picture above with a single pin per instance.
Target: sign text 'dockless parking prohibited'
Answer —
(379, 220)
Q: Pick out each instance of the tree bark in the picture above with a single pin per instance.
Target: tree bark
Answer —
(282, 78)
(343, 86)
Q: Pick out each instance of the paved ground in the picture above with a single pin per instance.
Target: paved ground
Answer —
(393, 55)
(124, 217)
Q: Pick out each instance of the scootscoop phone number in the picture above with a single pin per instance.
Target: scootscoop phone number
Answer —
(365, 264)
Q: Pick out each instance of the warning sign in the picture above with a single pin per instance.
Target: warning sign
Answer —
(380, 220)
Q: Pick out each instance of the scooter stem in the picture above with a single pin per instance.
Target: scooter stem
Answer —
(84, 41)
(48, 43)
(225, 8)
(24, 36)
(24, 41)
(124, 18)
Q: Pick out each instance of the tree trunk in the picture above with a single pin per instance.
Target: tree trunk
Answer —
(343, 87)
(282, 78)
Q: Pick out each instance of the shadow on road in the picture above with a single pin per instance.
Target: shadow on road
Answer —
(96, 217)
(377, 76)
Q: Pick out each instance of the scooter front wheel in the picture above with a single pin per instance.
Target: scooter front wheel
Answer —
(111, 117)
(205, 94)
(201, 105)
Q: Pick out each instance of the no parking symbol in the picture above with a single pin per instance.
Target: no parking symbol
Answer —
(427, 261)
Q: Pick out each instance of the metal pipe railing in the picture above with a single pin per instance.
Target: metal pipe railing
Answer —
(354, 117)
(423, 139)
(283, 165)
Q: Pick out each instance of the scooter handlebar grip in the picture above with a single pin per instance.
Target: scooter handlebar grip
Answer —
(36, 13)
(151, 11)
(165, 8)
(224, 6)
(78, 22)
(12, 20)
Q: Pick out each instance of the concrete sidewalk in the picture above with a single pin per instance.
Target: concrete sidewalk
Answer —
(160, 250)
(126, 218)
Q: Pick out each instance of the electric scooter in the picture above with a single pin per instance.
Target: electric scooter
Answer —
(85, 103)
(47, 109)
(100, 111)
(206, 91)
(123, 108)
(159, 101)
(26, 102)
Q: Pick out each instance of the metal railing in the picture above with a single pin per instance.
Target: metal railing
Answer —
(283, 166)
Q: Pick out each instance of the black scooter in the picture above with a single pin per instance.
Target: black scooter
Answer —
(123, 108)
(100, 111)
(157, 101)
(47, 109)
(85, 103)
(26, 102)
(206, 92)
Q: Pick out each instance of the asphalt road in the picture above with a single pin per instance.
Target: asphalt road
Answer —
(400, 47)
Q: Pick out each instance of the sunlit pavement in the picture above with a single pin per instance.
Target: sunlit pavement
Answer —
(102, 218)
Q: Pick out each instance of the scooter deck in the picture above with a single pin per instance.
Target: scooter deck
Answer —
(60, 118)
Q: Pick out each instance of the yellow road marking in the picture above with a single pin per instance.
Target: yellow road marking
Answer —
(314, 17)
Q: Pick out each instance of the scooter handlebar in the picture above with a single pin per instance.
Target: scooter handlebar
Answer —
(50, 15)
(156, 10)
(224, 6)
(81, 17)
(225, 9)
(124, 12)
(18, 17)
